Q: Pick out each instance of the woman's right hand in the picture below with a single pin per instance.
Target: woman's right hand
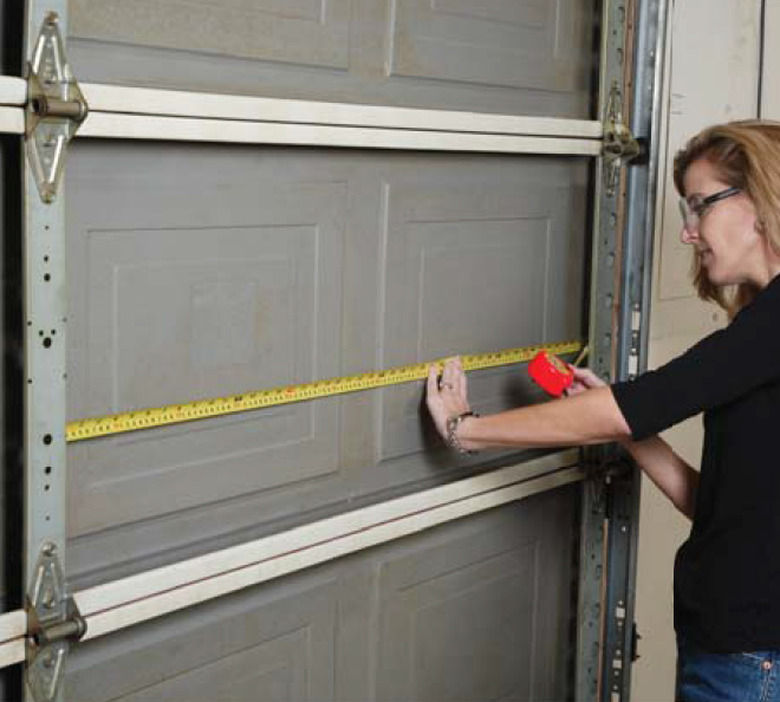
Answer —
(584, 379)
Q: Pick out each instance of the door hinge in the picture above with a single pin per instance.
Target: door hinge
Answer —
(53, 622)
(620, 146)
(55, 108)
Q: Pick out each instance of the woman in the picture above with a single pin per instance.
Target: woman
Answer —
(727, 574)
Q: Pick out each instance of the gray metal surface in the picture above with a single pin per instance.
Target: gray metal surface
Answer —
(634, 328)
(591, 683)
(44, 311)
(201, 272)
(45, 342)
(477, 609)
(527, 58)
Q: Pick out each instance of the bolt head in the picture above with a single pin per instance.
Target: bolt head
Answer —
(49, 549)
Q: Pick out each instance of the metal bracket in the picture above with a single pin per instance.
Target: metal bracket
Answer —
(635, 638)
(620, 146)
(55, 108)
(53, 622)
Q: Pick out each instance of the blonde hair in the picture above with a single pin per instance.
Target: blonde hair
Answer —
(746, 155)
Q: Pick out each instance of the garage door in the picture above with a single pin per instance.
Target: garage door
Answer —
(290, 192)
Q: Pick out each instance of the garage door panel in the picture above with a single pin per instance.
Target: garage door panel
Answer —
(178, 310)
(184, 312)
(486, 261)
(519, 58)
(479, 605)
(474, 609)
(273, 672)
(469, 617)
(219, 271)
(461, 283)
(302, 32)
(267, 644)
(520, 45)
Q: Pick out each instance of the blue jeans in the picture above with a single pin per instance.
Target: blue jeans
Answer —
(725, 677)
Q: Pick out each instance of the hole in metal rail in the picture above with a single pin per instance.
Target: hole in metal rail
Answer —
(47, 342)
(47, 439)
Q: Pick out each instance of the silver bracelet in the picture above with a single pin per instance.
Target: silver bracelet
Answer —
(452, 432)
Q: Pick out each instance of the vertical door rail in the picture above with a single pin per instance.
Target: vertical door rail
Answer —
(641, 186)
(44, 313)
(638, 91)
(605, 263)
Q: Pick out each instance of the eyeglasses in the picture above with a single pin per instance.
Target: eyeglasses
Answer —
(693, 208)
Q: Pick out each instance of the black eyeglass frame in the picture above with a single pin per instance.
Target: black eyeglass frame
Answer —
(697, 210)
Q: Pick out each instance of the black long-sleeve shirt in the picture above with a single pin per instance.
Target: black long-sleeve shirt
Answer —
(727, 574)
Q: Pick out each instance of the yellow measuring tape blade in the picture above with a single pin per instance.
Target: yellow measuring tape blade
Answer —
(201, 409)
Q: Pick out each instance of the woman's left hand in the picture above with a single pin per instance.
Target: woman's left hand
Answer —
(446, 397)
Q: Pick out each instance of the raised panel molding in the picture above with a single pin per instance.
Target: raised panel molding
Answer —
(530, 13)
(473, 266)
(149, 329)
(476, 611)
(273, 644)
(521, 45)
(303, 32)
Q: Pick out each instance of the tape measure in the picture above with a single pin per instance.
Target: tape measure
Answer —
(552, 374)
(257, 399)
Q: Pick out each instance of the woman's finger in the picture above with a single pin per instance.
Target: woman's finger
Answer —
(587, 377)
(449, 375)
(457, 375)
(462, 385)
(433, 381)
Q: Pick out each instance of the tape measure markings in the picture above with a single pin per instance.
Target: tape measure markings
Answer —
(257, 399)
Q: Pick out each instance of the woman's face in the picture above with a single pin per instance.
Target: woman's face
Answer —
(727, 239)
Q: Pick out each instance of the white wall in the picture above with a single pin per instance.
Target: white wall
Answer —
(770, 98)
(712, 76)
